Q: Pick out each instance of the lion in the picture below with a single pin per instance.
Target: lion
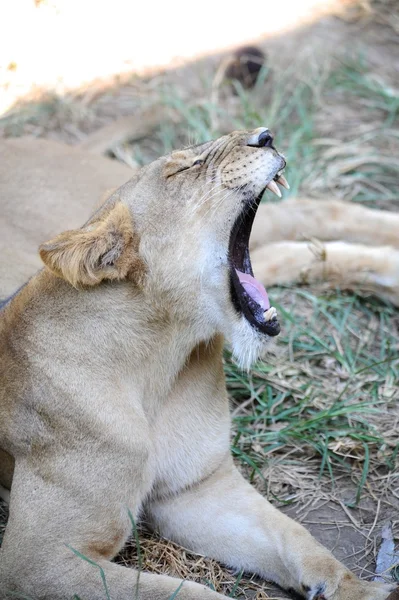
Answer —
(113, 400)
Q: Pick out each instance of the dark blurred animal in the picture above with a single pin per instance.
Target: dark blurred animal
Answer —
(245, 65)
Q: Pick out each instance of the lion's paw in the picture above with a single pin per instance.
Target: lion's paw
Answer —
(351, 588)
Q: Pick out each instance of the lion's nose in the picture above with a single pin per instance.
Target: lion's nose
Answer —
(261, 139)
(265, 139)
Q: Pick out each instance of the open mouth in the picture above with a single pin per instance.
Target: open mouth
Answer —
(249, 295)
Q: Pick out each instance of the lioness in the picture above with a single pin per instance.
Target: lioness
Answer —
(113, 399)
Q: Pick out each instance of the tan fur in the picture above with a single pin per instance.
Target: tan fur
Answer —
(45, 187)
(112, 397)
(106, 248)
(338, 264)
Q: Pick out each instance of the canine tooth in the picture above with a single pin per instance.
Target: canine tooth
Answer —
(282, 181)
(269, 314)
(273, 187)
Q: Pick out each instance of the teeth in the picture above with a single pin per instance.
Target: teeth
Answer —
(282, 181)
(268, 315)
(273, 187)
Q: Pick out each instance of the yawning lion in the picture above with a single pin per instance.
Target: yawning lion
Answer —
(113, 400)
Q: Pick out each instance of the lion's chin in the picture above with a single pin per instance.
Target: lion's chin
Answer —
(248, 345)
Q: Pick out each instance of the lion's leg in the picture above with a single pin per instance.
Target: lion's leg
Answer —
(325, 220)
(225, 518)
(59, 543)
(349, 266)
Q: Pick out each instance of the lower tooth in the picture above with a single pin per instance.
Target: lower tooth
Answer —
(269, 314)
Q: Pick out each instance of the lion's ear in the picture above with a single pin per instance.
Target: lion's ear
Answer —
(105, 249)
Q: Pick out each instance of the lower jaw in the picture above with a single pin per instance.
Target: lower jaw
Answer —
(253, 313)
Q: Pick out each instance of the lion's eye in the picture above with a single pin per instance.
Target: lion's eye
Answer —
(198, 162)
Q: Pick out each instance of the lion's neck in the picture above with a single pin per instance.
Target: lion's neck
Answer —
(109, 329)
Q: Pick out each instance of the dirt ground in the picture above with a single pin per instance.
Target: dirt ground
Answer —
(355, 157)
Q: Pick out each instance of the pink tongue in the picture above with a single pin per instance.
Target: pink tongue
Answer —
(254, 289)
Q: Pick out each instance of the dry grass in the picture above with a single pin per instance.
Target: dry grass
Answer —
(316, 428)
(161, 556)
